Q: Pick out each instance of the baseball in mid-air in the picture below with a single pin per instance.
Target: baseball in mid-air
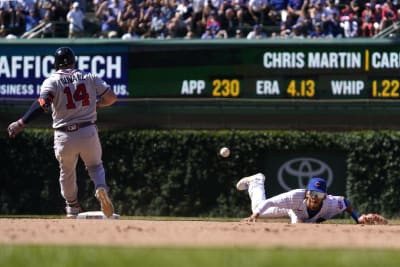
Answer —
(224, 152)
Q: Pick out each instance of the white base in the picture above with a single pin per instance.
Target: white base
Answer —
(95, 215)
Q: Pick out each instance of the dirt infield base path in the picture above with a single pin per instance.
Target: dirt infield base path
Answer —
(196, 233)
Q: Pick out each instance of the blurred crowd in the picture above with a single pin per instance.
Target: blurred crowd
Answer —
(202, 19)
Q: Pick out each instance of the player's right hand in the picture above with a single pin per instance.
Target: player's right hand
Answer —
(15, 128)
(252, 218)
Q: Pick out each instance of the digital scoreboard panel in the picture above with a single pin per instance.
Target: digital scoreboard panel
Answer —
(270, 71)
(261, 69)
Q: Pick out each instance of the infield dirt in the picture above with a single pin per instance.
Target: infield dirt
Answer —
(142, 233)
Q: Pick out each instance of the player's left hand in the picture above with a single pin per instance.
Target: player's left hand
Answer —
(372, 218)
(15, 128)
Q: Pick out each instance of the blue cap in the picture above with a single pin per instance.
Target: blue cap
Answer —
(317, 184)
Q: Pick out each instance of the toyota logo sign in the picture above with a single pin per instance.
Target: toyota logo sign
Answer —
(303, 169)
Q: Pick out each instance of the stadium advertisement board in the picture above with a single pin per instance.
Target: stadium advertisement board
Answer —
(23, 68)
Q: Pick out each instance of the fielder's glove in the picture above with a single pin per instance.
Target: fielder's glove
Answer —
(372, 218)
(15, 128)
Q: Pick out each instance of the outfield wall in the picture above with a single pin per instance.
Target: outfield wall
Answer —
(218, 84)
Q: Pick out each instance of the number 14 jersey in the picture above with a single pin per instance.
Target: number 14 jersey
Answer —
(73, 94)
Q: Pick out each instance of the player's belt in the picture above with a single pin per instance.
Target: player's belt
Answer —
(74, 127)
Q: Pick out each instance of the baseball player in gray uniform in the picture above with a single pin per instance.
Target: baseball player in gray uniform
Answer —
(309, 205)
(73, 96)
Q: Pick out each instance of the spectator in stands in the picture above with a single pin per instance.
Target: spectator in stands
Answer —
(213, 22)
(48, 27)
(221, 34)
(294, 9)
(97, 4)
(332, 26)
(28, 5)
(256, 33)
(178, 26)
(191, 18)
(75, 18)
(377, 18)
(107, 17)
(31, 20)
(189, 35)
(355, 7)
(59, 10)
(350, 26)
(157, 25)
(9, 19)
(198, 16)
(241, 10)
(4, 7)
(347, 11)
(3, 32)
(229, 22)
(257, 11)
(297, 32)
(389, 14)
(216, 6)
(331, 20)
(317, 31)
(317, 13)
(116, 5)
(209, 33)
(330, 8)
(131, 33)
(239, 34)
(367, 21)
(167, 8)
(44, 6)
(82, 5)
(146, 9)
(181, 23)
(112, 35)
(299, 17)
(185, 9)
(16, 24)
(304, 24)
(128, 17)
(278, 10)
(212, 26)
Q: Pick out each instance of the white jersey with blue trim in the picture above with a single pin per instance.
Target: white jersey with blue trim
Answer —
(294, 202)
(74, 95)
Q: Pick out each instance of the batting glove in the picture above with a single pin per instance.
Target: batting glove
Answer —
(15, 128)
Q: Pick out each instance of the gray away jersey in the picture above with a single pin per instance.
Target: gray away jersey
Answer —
(74, 95)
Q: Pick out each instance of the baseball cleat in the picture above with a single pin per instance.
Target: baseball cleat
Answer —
(243, 183)
(105, 202)
(73, 210)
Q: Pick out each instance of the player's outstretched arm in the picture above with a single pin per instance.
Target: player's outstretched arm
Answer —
(39, 106)
(107, 99)
(350, 210)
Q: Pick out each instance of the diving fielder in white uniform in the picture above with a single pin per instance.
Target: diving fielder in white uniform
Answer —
(310, 205)
(73, 96)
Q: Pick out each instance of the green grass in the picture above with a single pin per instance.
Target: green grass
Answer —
(43, 256)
